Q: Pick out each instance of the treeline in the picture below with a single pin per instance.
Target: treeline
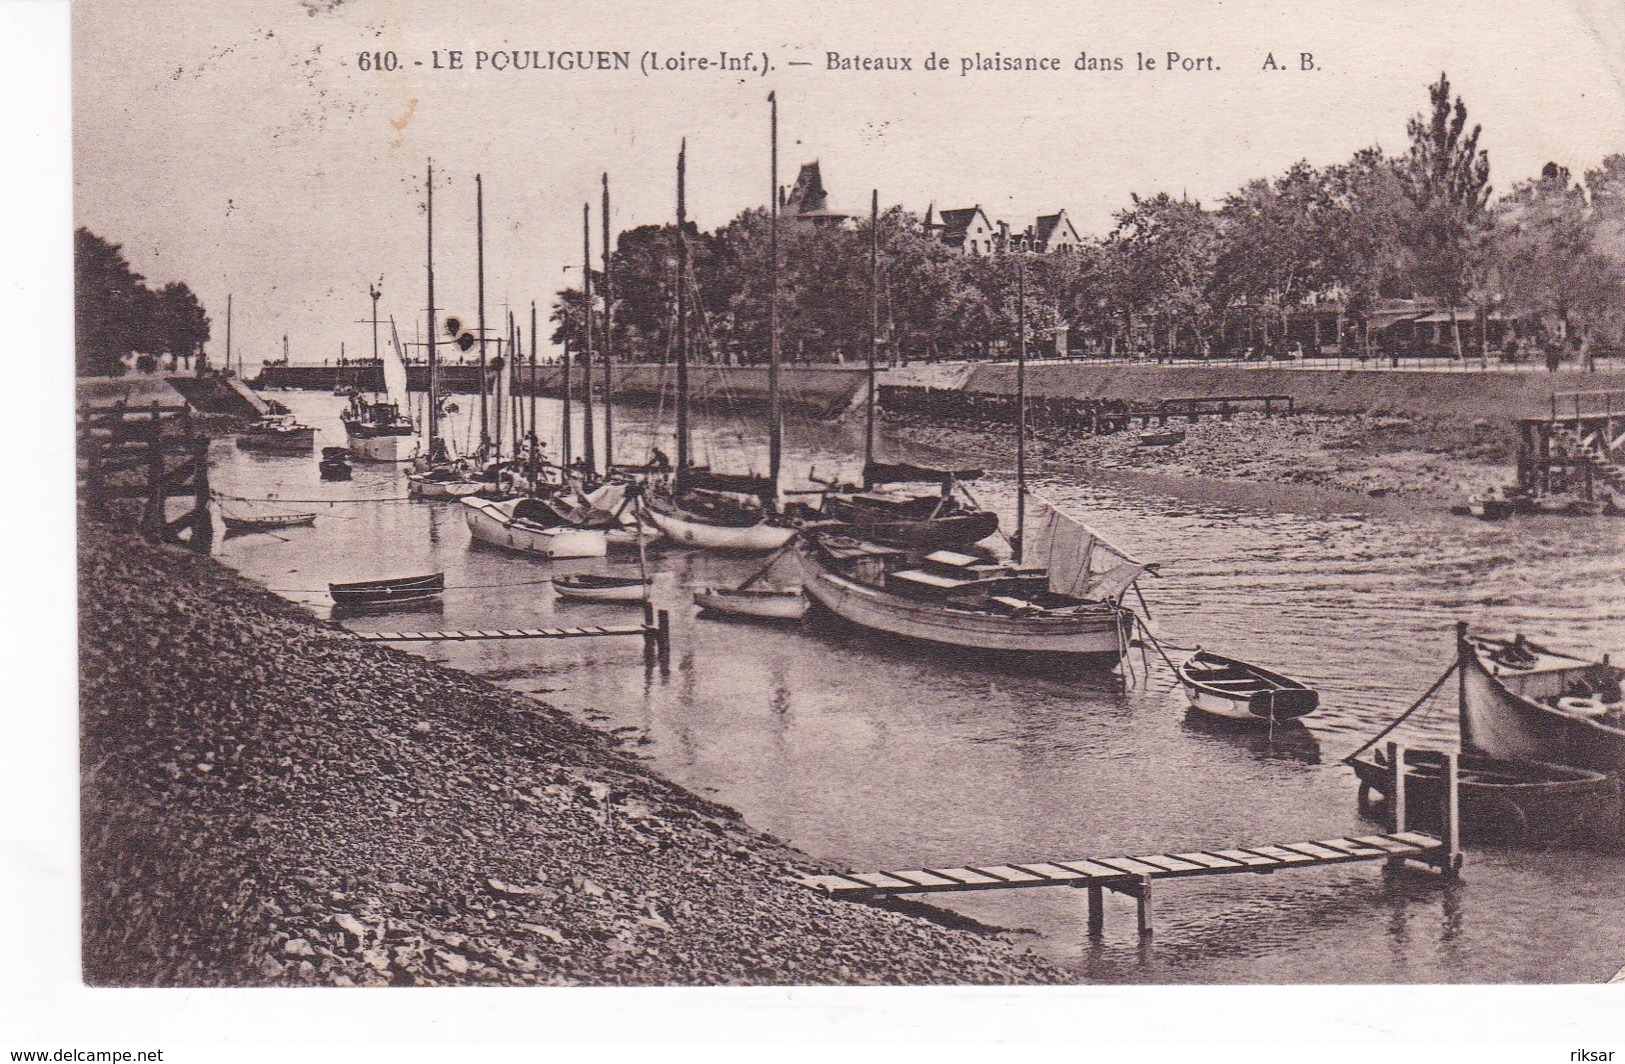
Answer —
(116, 315)
(1173, 276)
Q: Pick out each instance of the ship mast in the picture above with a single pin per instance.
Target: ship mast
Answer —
(682, 313)
(609, 345)
(589, 445)
(775, 428)
(1021, 407)
(479, 236)
(436, 446)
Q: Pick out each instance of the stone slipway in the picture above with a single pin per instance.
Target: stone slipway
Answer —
(266, 801)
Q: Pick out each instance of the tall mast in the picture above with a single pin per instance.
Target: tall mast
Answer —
(516, 411)
(496, 403)
(436, 448)
(564, 429)
(874, 330)
(682, 312)
(589, 447)
(479, 236)
(372, 290)
(1021, 407)
(775, 427)
(609, 344)
(228, 338)
(534, 448)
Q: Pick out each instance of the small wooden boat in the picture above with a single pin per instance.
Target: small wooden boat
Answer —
(596, 587)
(1163, 438)
(1526, 702)
(1235, 690)
(390, 591)
(242, 526)
(1501, 797)
(530, 526)
(277, 434)
(774, 604)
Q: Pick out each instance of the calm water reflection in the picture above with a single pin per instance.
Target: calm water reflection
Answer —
(882, 756)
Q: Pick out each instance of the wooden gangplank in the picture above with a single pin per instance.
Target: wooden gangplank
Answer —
(1134, 876)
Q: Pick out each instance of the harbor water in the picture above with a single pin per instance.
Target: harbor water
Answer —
(873, 755)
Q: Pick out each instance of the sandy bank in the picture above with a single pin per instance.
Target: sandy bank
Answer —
(268, 802)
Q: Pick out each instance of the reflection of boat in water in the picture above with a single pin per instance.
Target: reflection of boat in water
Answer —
(1286, 741)
(387, 592)
(1235, 690)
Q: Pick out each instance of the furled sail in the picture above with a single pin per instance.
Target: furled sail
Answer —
(1082, 563)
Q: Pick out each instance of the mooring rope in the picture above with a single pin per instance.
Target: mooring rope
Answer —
(1397, 721)
(222, 496)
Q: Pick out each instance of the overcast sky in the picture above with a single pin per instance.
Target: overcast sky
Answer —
(237, 146)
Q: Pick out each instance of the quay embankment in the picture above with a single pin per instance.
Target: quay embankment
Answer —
(268, 802)
(1427, 435)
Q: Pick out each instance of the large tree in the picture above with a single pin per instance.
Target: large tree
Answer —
(109, 300)
(1447, 177)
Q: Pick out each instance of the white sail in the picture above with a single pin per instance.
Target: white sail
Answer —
(395, 375)
(1082, 563)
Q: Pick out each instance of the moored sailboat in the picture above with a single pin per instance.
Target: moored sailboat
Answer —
(381, 430)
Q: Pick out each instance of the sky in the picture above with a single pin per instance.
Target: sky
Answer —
(238, 146)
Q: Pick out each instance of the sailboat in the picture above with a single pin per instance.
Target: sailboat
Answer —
(381, 430)
(437, 474)
(1068, 608)
(891, 508)
(698, 507)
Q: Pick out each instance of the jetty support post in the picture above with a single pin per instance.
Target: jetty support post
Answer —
(202, 538)
(1396, 792)
(1097, 908)
(152, 520)
(1450, 856)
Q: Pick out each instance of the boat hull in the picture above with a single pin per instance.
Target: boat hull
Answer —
(382, 448)
(489, 525)
(300, 441)
(1266, 698)
(1505, 799)
(1095, 636)
(386, 593)
(635, 592)
(1501, 718)
(786, 605)
(423, 488)
(750, 539)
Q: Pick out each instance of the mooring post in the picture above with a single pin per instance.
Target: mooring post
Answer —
(1142, 899)
(1396, 791)
(202, 520)
(1452, 858)
(153, 520)
(1097, 910)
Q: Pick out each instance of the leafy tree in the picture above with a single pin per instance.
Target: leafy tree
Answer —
(1167, 252)
(108, 298)
(1447, 177)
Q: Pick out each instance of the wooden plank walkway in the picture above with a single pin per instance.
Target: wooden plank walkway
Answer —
(1112, 871)
(460, 635)
(1134, 876)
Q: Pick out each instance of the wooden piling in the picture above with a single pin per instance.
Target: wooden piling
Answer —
(1097, 910)
(202, 538)
(1142, 901)
(1396, 765)
(1450, 852)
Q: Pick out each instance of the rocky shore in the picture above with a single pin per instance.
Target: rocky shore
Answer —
(1433, 463)
(266, 801)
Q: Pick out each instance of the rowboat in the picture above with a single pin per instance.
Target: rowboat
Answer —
(1524, 799)
(242, 526)
(389, 591)
(715, 519)
(595, 587)
(1235, 690)
(889, 512)
(443, 482)
(774, 604)
(530, 526)
(1526, 702)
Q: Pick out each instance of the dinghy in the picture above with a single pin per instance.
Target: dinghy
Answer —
(1232, 689)
(387, 592)
(530, 526)
(595, 587)
(242, 526)
(772, 604)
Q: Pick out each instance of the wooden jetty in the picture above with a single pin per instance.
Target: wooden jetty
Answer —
(1134, 875)
(1578, 448)
(150, 455)
(655, 631)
